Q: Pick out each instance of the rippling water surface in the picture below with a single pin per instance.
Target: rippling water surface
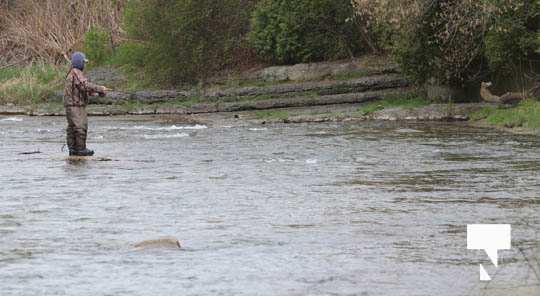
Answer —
(340, 209)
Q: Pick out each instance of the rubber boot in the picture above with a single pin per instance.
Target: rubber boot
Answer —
(80, 141)
(70, 140)
(85, 152)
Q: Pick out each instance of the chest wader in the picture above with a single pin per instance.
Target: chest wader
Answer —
(77, 119)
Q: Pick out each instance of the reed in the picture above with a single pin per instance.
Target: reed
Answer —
(43, 30)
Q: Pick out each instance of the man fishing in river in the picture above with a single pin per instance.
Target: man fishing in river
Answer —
(76, 92)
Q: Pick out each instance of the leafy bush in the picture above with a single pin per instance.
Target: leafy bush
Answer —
(185, 41)
(508, 48)
(129, 54)
(538, 42)
(131, 58)
(287, 32)
(381, 20)
(443, 43)
(413, 51)
(510, 39)
(538, 33)
(97, 46)
(449, 41)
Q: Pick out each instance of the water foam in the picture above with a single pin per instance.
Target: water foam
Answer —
(15, 119)
(177, 135)
(169, 128)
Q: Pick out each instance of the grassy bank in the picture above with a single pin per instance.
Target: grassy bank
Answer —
(272, 114)
(525, 115)
(36, 83)
(30, 84)
(409, 101)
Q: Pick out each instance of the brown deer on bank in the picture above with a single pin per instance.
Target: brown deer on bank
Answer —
(507, 98)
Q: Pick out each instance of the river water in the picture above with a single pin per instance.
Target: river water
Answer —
(301, 209)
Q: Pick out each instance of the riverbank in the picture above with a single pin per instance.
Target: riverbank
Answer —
(368, 88)
(303, 85)
(406, 109)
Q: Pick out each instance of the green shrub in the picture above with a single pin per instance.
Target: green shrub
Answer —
(129, 54)
(414, 52)
(444, 43)
(450, 41)
(30, 84)
(538, 42)
(507, 49)
(181, 41)
(510, 39)
(131, 57)
(380, 20)
(538, 32)
(287, 32)
(97, 46)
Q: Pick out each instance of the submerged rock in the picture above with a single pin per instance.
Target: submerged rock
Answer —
(160, 243)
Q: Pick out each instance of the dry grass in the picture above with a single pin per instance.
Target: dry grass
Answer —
(45, 29)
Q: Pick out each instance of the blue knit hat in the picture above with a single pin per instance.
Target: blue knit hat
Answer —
(78, 59)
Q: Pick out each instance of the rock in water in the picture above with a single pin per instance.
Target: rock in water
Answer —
(161, 243)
